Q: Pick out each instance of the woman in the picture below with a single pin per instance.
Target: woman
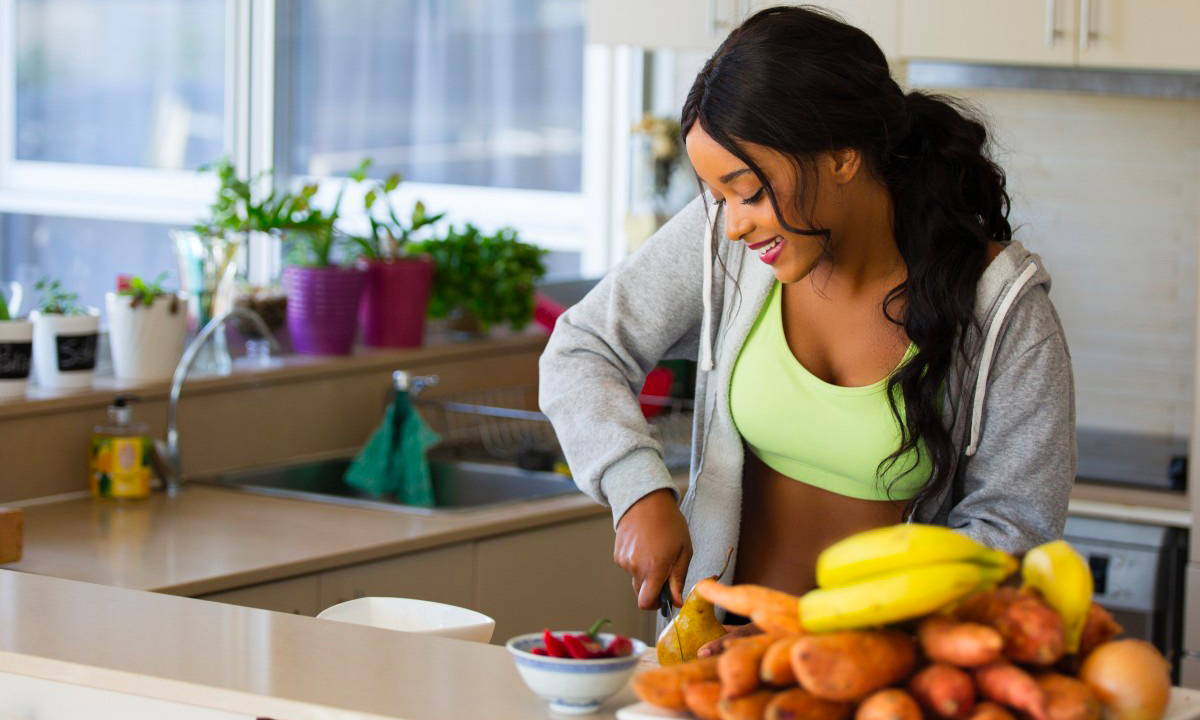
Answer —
(873, 345)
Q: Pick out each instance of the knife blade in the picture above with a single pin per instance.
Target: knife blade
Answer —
(667, 609)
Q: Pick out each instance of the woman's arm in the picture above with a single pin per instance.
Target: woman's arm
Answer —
(1014, 490)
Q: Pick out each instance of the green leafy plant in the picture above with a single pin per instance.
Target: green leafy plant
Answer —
(4, 308)
(145, 293)
(240, 208)
(56, 301)
(389, 236)
(491, 276)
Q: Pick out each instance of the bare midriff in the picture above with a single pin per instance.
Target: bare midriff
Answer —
(786, 524)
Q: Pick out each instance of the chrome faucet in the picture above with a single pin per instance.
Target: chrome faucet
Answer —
(173, 479)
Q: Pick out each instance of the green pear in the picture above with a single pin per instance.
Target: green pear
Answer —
(695, 625)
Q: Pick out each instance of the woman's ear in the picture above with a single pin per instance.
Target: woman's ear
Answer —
(843, 165)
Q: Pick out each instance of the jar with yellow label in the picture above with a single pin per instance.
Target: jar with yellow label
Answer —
(120, 455)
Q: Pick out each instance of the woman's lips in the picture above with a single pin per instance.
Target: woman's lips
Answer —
(769, 251)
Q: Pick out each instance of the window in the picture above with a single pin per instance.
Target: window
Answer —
(108, 107)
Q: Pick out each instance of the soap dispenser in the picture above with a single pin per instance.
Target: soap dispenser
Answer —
(120, 455)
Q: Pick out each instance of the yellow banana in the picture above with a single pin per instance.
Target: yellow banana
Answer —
(891, 597)
(896, 547)
(1064, 579)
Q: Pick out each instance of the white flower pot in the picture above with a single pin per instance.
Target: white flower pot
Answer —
(16, 348)
(64, 348)
(146, 341)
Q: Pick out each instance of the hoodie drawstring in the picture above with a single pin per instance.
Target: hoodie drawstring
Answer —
(706, 348)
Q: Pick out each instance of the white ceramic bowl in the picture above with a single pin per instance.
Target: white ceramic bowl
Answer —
(414, 616)
(573, 687)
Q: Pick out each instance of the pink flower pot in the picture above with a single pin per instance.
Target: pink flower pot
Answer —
(322, 308)
(395, 301)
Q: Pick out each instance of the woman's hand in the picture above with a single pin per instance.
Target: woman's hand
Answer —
(653, 546)
(735, 631)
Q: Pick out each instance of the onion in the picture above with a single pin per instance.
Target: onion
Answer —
(1131, 678)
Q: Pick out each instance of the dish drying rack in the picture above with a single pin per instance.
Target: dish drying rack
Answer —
(497, 424)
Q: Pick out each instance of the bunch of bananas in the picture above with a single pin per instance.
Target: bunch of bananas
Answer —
(897, 573)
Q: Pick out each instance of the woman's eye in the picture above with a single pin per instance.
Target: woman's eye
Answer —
(754, 198)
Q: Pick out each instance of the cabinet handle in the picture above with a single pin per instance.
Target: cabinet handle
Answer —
(1052, 31)
(1086, 33)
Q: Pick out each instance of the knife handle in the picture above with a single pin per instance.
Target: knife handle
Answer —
(664, 600)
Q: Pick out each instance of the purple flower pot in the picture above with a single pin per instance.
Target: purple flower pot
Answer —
(395, 301)
(322, 308)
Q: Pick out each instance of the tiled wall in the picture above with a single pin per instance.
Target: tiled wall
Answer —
(1107, 190)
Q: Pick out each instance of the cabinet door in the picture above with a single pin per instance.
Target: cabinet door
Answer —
(1152, 34)
(878, 18)
(442, 575)
(294, 595)
(560, 577)
(681, 24)
(1021, 32)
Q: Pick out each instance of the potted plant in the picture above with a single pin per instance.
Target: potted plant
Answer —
(65, 336)
(16, 351)
(398, 282)
(480, 280)
(323, 296)
(146, 328)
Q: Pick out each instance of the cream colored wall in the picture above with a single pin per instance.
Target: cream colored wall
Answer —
(1107, 190)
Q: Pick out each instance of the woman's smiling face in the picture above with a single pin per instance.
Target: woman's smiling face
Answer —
(749, 215)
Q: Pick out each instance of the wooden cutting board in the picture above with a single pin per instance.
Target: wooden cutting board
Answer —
(12, 525)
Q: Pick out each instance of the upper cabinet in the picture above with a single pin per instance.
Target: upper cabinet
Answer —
(1130, 34)
(1122, 34)
(702, 24)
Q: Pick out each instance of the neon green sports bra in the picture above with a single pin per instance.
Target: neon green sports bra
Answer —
(825, 435)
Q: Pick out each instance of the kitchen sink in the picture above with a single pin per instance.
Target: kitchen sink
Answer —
(458, 485)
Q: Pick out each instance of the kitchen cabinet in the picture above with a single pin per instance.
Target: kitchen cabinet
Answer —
(703, 24)
(297, 596)
(1128, 34)
(1021, 32)
(442, 575)
(1149, 34)
(562, 576)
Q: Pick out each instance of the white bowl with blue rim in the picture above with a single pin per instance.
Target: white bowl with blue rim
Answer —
(573, 687)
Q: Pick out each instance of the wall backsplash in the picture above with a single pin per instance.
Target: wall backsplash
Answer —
(1107, 190)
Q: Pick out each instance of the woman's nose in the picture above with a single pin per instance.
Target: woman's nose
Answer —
(737, 224)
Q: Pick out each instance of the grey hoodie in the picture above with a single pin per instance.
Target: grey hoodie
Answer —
(1010, 403)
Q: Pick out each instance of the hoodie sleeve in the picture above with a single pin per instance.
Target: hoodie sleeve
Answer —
(1014, 490)
(646, 309)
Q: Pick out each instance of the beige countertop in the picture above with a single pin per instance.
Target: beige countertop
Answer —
(208, 539)
(252, 662)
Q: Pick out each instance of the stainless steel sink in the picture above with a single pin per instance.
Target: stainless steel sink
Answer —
(458, 485)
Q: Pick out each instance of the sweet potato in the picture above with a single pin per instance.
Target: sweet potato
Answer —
(738, 666)
(964, 644)
(1032, 630)
(848, 666)
(800, 704)
(663, 687)
(889, 704)
(776, 668)
(1068, 698)
(1098, 628)
(990, 711)
(1009, 685)
(701, 698)
(944, 691)
(777, 623)
(746, 600)
(746, 707)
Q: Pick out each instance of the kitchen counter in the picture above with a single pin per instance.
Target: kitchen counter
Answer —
(251, 662)
(209, 539)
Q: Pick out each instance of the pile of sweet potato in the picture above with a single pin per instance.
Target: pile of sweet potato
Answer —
(998, 655)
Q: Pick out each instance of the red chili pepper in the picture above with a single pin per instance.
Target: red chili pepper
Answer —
(619, 647)
(581, 647)
(539, 650)
(555, 647)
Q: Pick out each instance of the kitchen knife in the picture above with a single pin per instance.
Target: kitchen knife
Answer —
(667, 609)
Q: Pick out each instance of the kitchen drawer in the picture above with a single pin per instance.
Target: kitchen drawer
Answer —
(1191, 619)
(441, 575)
(1189, 675)
(294, 595)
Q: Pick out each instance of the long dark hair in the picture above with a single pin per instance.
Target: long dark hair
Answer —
(801, 82)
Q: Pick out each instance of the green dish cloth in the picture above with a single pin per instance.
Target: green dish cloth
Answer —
(393, 460)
